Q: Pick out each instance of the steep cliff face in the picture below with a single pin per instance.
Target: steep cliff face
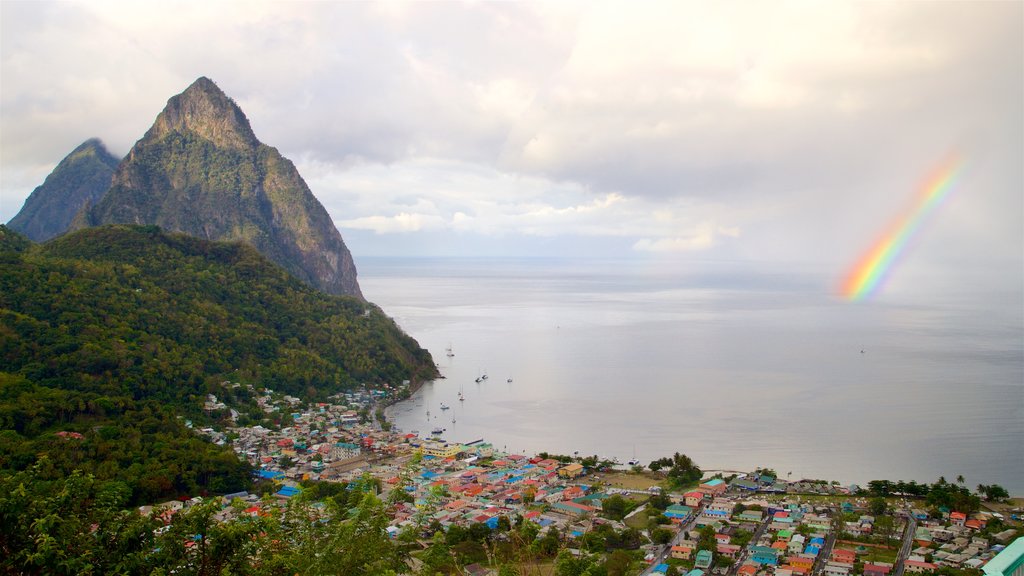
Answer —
(201, 170)
(79, 180)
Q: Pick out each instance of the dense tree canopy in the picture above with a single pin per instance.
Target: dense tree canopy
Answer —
(682, 470)
(940, 494)
(115, 335)
(77, 525)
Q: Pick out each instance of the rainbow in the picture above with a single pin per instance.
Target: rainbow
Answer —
(866, 277)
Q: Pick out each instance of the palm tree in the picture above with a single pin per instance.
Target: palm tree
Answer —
(960, 479)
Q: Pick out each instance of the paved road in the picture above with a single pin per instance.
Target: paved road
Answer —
(908, 543)
(636, 511)
(735, 568)
(822, 559)
(665, 549)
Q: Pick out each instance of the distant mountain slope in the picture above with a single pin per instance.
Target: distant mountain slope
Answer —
(114, 331)
(79, 180)
(200, 170)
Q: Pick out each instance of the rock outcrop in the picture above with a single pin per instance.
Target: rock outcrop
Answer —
(201, 170)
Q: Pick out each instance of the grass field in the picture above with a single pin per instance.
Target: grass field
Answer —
(639, 520)
(874, 554)
(880, 555)
(631, 481)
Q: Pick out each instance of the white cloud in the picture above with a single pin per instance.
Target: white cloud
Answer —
(703, 237)
(800, 123)
(401, 222)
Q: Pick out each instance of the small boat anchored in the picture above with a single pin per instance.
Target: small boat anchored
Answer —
(444, 406)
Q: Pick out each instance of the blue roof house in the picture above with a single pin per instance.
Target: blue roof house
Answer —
(287, 491)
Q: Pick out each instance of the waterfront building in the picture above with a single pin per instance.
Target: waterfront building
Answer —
(744, 484)
(573, 470)
(715, 486)
(440, 450)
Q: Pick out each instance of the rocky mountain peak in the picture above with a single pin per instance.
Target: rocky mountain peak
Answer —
(207, 111)
(200, 170)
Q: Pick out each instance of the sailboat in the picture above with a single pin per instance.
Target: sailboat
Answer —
(462, 397)
(634, 461)
(448, 351)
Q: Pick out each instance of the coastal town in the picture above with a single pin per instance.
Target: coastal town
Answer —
(741, 523)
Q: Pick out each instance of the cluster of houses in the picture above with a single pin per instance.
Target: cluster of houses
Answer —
(320, 442)
(477, 485)
(797, 539)
(955, 541)
(445, 483)
(770, 535)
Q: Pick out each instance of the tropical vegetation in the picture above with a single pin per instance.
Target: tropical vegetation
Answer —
(111, 338)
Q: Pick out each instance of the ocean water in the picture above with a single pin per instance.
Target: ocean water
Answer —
(735, 366)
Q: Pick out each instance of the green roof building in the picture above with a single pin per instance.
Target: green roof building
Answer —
(703, 559)
(1009, 562)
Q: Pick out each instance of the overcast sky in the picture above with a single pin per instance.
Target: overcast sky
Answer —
(762, 131)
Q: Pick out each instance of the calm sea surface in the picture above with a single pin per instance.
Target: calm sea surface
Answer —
(735, 367)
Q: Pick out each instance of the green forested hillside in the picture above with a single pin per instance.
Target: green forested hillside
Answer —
(116, 332)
